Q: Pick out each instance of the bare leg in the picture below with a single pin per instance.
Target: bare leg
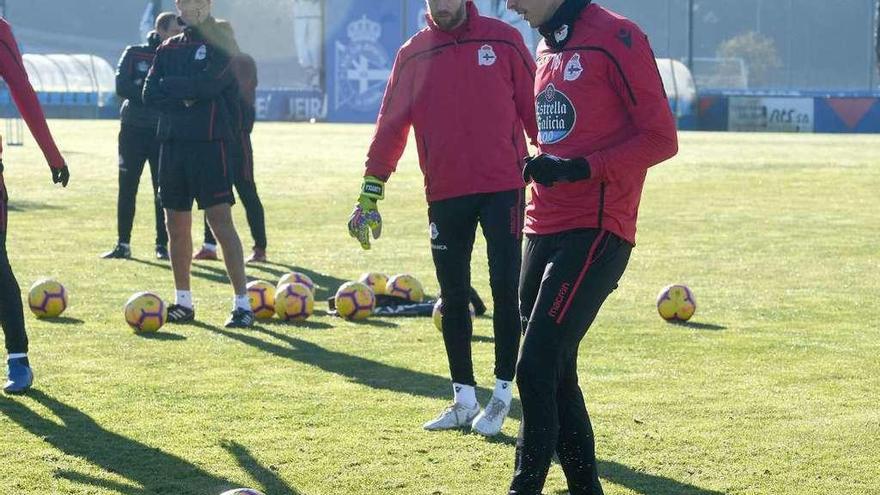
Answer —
(179, 225)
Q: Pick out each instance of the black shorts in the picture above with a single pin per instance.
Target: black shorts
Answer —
(195, 170)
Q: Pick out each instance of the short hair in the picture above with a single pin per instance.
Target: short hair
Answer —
(164, 20)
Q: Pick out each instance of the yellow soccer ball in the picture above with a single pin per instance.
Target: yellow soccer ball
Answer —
(242, 491)
(294, 302)
(405, 286)
(146, 312)
(376, 281)
(297, 278)
(47, 298)
(262, 297)
(676, 303)
(438, 313)
(355, 301)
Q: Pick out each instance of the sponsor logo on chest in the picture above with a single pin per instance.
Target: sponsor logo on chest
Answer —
(556, 115)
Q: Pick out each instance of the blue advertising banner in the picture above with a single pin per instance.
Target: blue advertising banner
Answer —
(361, 40)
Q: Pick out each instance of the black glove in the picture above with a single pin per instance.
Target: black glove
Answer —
(1, 165)
(61, 175)
(548, 169)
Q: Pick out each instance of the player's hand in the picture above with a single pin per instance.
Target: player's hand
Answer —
(366, 218)
(61, 175)
(549, 169)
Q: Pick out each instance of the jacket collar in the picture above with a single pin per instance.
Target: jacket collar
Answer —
(559, 29)
(472, 14)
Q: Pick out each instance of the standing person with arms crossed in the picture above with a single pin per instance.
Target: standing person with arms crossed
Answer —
(191, 81)
(21, 376)
(603, 120)
(464, 83)
(137, 137)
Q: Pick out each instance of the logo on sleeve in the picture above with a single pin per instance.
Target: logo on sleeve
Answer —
(625, 36)
(573, 69)
(486, 56)
(202, 53)
(556, 115)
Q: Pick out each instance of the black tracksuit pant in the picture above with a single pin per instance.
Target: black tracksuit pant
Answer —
(11, 310)
(453, 230)
(565, 279)
(137, 145)
(247, 193)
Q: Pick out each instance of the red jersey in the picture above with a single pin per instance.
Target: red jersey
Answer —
(12, 71)
(468, 94)
(599, 96)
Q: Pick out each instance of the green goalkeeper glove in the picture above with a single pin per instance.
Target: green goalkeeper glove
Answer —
(366, 217)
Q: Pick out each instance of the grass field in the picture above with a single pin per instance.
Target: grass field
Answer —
(775, 389)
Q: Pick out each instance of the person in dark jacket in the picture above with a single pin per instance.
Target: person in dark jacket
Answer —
(137, 137)
(245, 69)
(192, 83)
(603, 121)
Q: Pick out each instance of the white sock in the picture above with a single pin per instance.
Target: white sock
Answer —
(241, 302)
(17, 356)
(465, 395)
(503, 390)
(184, 298)
(210, 247)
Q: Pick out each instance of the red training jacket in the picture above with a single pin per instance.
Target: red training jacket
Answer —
(468, 95)
(12, 71)
(599, 97)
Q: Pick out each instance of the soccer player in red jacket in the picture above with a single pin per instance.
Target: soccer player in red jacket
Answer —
(464, 83)
(603, 120)
(21, 377)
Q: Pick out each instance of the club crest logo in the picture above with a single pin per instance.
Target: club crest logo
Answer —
(143, 66)
(573, 69)
(362, 67)
(435, 232)
(561, 34)
(202, 53)
(486, 56)
(556, 115)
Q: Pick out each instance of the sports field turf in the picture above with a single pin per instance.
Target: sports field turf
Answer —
(774, 389)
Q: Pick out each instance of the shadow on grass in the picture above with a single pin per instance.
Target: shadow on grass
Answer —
(270, 481)
(76, 434)
(373, 374)
(19, 205)
(161, 336)
(698, 326)
(63, 320)
(326, 284)
(482, 339)
(312, 325)
(199, 270)
(646, 483)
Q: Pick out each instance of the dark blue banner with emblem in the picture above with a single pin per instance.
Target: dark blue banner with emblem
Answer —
(361, 40)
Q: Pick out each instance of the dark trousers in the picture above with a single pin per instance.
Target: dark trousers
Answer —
(453, 230)
(11, 310)
(247, 193)
(136, 147)
(565, 279)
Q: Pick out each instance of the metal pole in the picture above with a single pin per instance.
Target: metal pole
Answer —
(3, 8)
(691, 35)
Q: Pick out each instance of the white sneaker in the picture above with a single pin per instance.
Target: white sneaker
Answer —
(489, 422)
(454, 416)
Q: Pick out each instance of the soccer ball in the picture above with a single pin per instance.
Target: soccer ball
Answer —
(438, 313)
(297, 278)
(47, 298)
(262, 297)
(146, 312)
(242, 491)
(376, 281)
(405, 286)
(676, 303)
(355, 301)
(294, 302)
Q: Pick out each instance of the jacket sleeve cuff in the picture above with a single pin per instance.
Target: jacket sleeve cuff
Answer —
(378, 170)
(598, 166)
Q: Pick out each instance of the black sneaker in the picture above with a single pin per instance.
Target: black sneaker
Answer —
(180, 314)
(162, 253)
(120, 252)
(241, 318)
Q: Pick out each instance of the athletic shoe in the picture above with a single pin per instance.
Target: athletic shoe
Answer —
(120, 252)
(206, 254)
(241, 318)
(180, 314)
(453, 417)
(162, 253)
(258, 256)
(489, 422)
(21, 377)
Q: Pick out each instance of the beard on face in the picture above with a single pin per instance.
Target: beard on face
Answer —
(447, 20)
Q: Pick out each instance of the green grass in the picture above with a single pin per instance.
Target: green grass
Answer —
(774, 390)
